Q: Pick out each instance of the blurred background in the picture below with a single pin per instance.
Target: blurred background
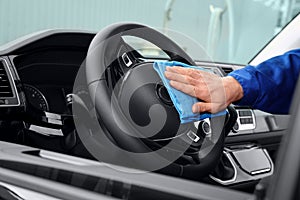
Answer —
(228, 30)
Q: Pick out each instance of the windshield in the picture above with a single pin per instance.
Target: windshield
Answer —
(227, 30)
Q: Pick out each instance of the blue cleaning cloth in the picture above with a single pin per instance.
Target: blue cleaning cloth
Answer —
(182, 102)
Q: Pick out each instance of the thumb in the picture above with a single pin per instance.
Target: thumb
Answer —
(201, 107)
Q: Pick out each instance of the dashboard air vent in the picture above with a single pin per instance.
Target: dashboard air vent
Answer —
(227, 70)
(5, 86)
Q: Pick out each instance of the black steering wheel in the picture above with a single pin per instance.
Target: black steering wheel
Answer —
(136, 114)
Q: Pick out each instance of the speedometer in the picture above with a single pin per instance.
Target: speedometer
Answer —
(36, 98)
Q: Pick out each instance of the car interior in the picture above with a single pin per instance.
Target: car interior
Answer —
(78, 106)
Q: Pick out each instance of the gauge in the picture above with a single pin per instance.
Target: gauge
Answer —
(36, 98)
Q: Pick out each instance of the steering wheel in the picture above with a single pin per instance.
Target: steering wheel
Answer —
(136, 115)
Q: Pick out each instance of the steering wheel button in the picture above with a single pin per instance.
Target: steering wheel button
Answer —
(243, 121)
(126, 60)
(244, 113)
(193, 136)
(235, 128)
(206, 128)
(250, 120)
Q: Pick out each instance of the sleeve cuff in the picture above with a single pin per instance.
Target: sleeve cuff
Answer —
(247, 78)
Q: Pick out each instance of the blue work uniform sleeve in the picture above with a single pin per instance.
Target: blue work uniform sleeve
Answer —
(270, 85)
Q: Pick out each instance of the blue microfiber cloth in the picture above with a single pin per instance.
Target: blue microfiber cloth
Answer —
(182, 102)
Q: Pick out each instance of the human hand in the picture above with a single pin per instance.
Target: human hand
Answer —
(215, 92)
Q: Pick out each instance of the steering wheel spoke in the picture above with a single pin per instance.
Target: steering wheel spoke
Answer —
(127, 56)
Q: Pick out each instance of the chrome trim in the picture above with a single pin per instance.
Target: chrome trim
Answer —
(25, 194)
(196, 124)
(40, 93)
(233, 179)
(194, 137)
(241, 175)
(54, 121)
(53, 118)
(53, 115)
(208, 122)
(65, 158)
(124, 57)
(46, 131)
(14, 87)
(244, 127)
(270, 160)
(260, 171)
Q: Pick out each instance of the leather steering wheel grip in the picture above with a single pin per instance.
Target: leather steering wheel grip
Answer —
(101, 55)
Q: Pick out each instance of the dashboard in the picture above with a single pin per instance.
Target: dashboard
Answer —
(37, 74)
(48, 72)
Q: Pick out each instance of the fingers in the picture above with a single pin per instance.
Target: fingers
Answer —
(181, 70)
(203, 85)
(193, 73)
(186, 88)
(180, 78)
(202, 107)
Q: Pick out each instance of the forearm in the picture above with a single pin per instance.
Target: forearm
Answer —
(270, 85)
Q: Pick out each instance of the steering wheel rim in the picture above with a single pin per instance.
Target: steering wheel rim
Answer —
(101, 54)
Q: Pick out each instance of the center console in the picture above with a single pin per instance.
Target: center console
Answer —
(242, 164)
